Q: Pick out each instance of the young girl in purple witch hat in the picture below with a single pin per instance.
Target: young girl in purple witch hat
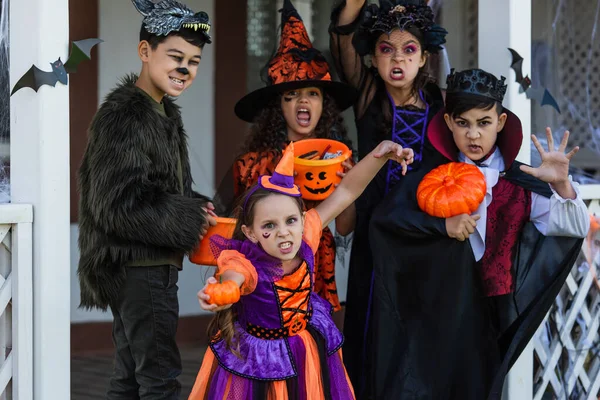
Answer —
(279, 340)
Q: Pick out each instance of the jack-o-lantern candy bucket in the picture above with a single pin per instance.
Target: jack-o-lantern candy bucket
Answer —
(316, 164)
(202, 254)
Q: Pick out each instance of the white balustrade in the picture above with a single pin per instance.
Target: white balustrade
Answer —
(16, 302)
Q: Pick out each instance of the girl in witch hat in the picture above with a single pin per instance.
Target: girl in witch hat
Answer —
(300, 101)
(278, 341)
(383, 51)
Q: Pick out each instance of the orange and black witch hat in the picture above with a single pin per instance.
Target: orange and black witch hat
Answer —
(296, 64)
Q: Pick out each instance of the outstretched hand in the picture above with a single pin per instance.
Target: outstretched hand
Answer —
(555, 163)
(393, 151)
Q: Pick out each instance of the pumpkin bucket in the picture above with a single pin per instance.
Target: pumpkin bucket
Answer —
(316, 177)
(202, 255)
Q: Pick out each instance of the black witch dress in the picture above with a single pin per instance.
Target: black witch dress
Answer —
(377, 119)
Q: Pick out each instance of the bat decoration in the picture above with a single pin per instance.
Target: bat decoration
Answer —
(34, 78)
(543, 96)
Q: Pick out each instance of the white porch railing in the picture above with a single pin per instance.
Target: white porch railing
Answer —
(16, 302)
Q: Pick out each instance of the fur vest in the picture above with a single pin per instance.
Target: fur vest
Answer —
(130, 205)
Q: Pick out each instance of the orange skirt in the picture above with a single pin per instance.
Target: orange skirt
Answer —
(213, 382)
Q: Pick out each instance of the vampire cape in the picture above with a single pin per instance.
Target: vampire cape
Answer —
(435, 335)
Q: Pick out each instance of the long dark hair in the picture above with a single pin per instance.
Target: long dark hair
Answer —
(269, 130)
(222, 323)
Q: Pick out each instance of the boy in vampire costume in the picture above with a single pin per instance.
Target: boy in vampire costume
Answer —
(457, 299)
(138, 213)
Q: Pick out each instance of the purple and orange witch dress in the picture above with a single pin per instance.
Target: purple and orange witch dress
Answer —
(289, 347)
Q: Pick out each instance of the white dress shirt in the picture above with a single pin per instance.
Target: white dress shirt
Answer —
(552, 216)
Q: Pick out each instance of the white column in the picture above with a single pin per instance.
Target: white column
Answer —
(39, 146)
(504, 24)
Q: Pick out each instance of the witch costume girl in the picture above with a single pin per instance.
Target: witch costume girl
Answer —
(295, 66)
(380, 116)
(279, 341)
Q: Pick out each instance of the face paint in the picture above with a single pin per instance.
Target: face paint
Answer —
(475, 131)
(411, 49)
(398, 57)
(165, 66)
(278, 219)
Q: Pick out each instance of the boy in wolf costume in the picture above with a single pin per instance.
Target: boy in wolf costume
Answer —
(138, 213)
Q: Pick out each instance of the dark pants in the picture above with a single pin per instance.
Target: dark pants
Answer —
(147, 360)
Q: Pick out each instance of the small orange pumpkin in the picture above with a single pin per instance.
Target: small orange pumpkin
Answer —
(223, 293)
(451, 189)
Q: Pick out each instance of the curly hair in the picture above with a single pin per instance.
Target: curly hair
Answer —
(269, 131)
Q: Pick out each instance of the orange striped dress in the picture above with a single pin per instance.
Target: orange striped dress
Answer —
(288, 345)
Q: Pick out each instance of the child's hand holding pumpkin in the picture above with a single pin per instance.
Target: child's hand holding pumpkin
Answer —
(216, 296)
(461, 226)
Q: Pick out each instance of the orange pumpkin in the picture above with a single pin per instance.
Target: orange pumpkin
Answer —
(451, 189)
(223, 293)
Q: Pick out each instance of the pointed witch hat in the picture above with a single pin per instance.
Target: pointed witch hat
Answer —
(296, 64)
(282, 180)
